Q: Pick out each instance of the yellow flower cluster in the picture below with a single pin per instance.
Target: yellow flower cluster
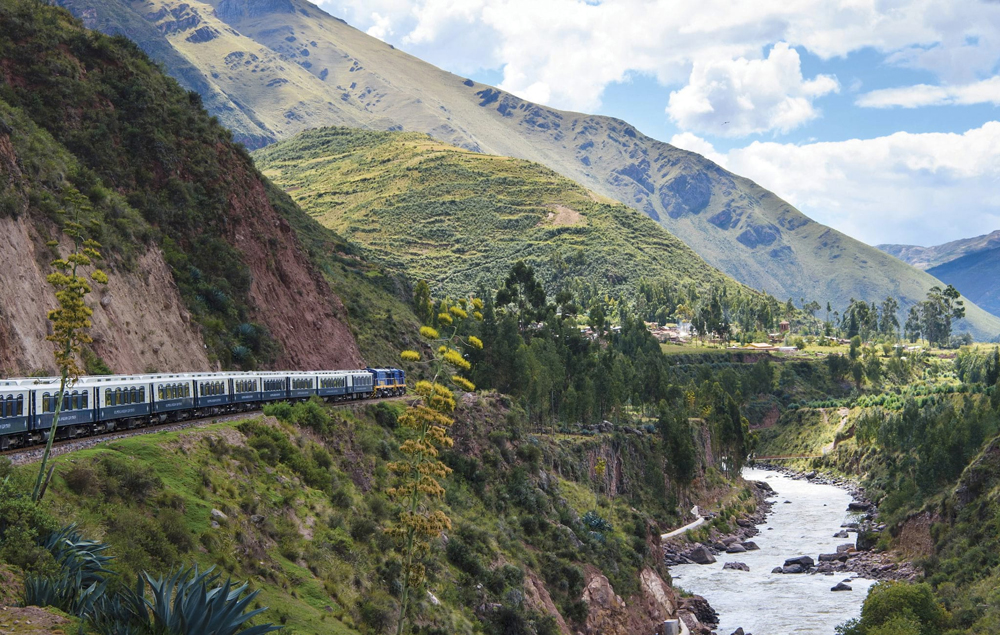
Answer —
(475, 342)
(410, 356)
(429, 333)
(455, 358)
(463, 383)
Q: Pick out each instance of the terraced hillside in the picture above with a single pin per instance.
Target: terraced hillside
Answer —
(462, 218)
(271, 68)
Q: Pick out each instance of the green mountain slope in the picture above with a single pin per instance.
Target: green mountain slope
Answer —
(976, 275)
(210, 264)
(290, 66)
(929, 257)
(462, 218)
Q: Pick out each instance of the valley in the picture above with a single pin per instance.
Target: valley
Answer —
(435, 359)
(269, 70)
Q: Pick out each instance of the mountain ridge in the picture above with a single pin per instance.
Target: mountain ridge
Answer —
(257, 52)
(927, 258)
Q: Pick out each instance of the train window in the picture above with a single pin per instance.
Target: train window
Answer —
(142, 394)
(8, 409)
(84, 399)
(20, 405)
(119, 400)
(46, 398)
(107, 396)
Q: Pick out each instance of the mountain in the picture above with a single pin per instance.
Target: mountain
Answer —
(971, 265)
(462, 218)
(206, 265)
(929, 257)
(271, 68)
(976, 275)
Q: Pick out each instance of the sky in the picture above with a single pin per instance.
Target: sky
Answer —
(876, 117)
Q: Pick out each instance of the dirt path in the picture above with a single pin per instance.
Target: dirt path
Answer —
(688, 527)
(832, 445)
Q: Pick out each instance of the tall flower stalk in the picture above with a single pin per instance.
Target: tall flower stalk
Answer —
(418, 474)
(71, 319)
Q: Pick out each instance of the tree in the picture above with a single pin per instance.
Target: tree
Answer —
(937, 313)
(423, 307)
(912, 327)
(71, 319)
(418, 474)
(889, 324)
(522, 290)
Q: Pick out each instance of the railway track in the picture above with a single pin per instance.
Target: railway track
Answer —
(32, 454)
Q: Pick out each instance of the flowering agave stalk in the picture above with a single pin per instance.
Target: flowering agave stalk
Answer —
(419, 473)
(71, 320)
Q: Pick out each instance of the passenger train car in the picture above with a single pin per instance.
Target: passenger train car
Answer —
(94, 405)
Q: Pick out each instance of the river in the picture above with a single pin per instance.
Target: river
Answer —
(765, 603)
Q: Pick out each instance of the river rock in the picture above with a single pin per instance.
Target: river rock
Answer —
(842, 587)
(736, 566)
(736, 548)
(793, 568)
(744, 522)
(777, 570)
(803, 561)
(750, 545)
(858, 506)
(728, 540)
(701, 555)
(845, 548)
(833, 557)
(841, 534)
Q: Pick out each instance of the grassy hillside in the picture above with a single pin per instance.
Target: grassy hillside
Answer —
(462, 219)
(304, 508)
(290, 66)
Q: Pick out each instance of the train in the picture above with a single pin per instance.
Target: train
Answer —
(100, 404)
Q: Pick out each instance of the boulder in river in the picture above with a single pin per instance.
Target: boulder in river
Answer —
(841, 534)
(858, 506)
(736, 566)
(803, 561)
(728, 540)
(750, 545)
(842, 587)
(793, 568)
(845, 548)
(701, 555)
(777, 570)
(736, 548)
(833, 557)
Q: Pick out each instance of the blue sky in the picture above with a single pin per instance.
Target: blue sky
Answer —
(877, 117)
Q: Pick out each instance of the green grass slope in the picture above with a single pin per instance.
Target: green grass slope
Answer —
(305, 509)
(292, 66)
(461, 218)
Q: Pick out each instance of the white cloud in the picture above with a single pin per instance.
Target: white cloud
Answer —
(903, 188)
(738, 97)
(568, 51)
(986, 91)
(381, 26)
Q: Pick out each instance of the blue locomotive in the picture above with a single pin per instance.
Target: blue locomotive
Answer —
(94, 405)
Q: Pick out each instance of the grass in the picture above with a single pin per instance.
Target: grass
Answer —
(461, 219)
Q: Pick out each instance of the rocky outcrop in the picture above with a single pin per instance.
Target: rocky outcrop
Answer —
(140, 321)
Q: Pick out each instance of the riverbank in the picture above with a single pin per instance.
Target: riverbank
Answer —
(864, 560)
(791, 552)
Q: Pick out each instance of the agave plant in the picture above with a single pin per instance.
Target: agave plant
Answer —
(187, 603)
(81, 581)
